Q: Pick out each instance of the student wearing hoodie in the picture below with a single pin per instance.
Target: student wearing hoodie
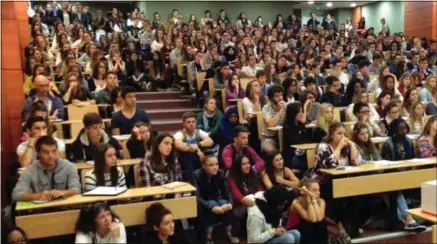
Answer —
(84, 146)
(264, 223)
(49, 177)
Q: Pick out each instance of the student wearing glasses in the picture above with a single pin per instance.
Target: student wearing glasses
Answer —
(363, 97)
(362, 112)
(392, 112)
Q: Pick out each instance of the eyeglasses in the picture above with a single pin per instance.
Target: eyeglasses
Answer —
(72, 80)
(394, 112)
(365, 112)
(311, 97)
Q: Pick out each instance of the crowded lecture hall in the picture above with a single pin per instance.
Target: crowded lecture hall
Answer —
(219, 122)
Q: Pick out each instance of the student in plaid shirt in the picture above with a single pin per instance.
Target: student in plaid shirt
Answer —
(162, 167)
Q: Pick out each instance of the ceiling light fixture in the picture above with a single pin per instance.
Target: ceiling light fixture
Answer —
(329, 4)
(310, 2)
(353, 5)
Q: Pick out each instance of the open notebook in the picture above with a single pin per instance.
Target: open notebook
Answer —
(106, 191)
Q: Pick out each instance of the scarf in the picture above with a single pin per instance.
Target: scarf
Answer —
(208, 121)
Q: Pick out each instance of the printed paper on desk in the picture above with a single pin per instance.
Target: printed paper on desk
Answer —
(421, 160)
(386, 162)
(174, 185)
(106, 191)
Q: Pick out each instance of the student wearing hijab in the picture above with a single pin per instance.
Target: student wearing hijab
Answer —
(226, 129)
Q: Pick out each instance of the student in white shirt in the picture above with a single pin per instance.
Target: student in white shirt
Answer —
(105, 172)
(99, 224)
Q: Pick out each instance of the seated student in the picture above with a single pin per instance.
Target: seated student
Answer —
(189, 142)
(254, 101)
(429, 91)
(417, 118)
(162, 167)
(234, 90)
(160, 226)
(135, 71)
(244, 183)
(240, 146)
(226, 129)
(96, 80)
(104, 95)
(389, 83)
(291, 90)
(123, 121)
(264, 218)
(47, 178)
(75, 93)
(105, 172)
(140, 141)
(261, 77)
(53, 103)
(116, 103)
(213, 197)
(276, 173)
(251, 70)
(362, 138)
(335, 150)
(274, 111)
(92, 134)
(310, 209)
(209, 121)
(36, 127)
(294, 132)
(310, 85)
(99, 224)
(426, 144)
(392, 112)
(362, 97)
(325, 118)
(383, 101)
(16, 235)
(312, 108)
(353, 91)
(411, 96)
(399, 147)
(333, 95)
(362, 113)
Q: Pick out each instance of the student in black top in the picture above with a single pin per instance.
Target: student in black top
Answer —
(294, 132)
(392, 112)
(160, 226)
(84, 146)
(213, 197)
(333, 95)
(116, 103)
(123, 121)
(135, 71)
(140, 141)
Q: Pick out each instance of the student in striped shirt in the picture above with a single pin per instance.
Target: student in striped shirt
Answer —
(105, 172)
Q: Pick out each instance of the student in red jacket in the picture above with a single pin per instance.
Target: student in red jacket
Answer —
(240, 146)
(244, 183)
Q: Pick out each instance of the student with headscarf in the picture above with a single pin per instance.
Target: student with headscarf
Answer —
(226, 129)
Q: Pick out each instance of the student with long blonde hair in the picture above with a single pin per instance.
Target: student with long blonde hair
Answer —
(417, 118)
(325, 117)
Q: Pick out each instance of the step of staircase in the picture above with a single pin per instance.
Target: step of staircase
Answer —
(166, 124)
(158, 95)
(171, 113)
(166, 104)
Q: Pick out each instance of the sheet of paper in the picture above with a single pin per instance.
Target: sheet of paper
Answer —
(174, 185)
(105, 191)
(121, 137)
(386, 162)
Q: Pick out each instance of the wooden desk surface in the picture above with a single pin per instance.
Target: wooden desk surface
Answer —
(374, 167)
(418, 213)
(120, 162)
(68, 122)
(376, 140)
(130, 193)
